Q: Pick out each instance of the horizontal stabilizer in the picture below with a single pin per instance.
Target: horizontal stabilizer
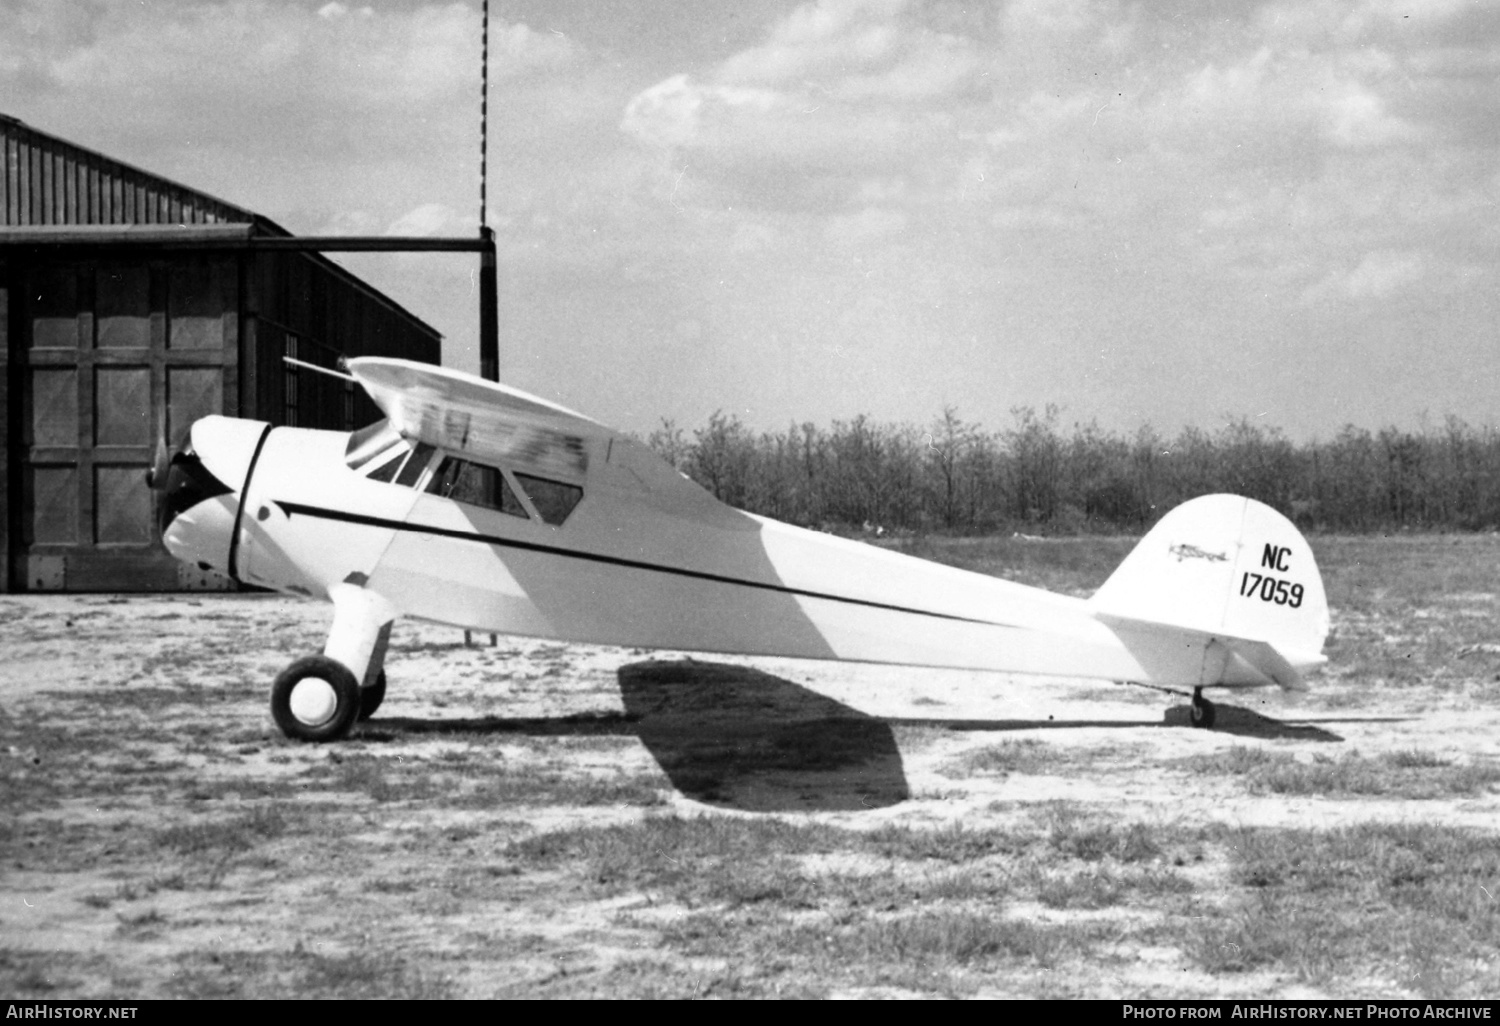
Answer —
(1281, 670)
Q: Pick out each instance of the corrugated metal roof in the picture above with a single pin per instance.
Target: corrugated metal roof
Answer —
(45, 180)
(56, 192)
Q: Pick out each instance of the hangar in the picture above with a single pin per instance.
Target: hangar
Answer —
(125, 297)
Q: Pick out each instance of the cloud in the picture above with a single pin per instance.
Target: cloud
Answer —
(821, 39)
(1336, 98)
(355, 73)
(338, 10)
(1339, 22)
(1377, 275)
(839, 90)
(431, 219)
(1053, 18)
(865, 226)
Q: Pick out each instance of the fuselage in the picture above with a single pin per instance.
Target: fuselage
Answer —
(618, 548)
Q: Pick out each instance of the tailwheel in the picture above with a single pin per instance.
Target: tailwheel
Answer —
(315, 699)
(371, 697)
(1202, 711)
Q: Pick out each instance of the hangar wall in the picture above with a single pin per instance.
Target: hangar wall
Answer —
(126, 299)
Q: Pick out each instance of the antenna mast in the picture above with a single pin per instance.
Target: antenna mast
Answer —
(489, 292)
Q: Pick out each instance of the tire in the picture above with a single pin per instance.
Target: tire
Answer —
(315, 699)
(371, 697)
(1201, 713)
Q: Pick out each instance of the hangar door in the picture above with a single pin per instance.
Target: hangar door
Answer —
(106, 344)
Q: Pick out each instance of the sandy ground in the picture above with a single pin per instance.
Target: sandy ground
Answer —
(135, 726)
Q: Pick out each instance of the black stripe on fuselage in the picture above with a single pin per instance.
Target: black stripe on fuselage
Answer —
(239, 514)
(295, 508)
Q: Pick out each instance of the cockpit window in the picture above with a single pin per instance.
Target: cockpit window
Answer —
(381, 454)
(387, 470)
(476, 485)
(553, 499)
(421, 455)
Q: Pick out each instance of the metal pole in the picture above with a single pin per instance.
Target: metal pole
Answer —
(489, 309)
(489, 288)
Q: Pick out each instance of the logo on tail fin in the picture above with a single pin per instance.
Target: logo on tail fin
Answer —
(1194, 552)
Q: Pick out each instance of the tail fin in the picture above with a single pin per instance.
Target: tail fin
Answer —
(1231, 570)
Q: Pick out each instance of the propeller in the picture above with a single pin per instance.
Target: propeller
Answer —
(156, 477)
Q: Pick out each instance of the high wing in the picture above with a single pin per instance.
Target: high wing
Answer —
(489, 421)
(495, 423)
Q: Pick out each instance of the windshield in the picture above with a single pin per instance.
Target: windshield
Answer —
(372, 446)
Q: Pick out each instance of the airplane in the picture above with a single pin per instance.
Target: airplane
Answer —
(477, 505)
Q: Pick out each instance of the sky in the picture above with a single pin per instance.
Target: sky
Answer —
(1169, 213)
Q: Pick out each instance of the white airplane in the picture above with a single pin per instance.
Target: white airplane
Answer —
(479, 506)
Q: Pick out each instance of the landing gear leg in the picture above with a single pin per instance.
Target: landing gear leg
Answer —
(370, 697)
(1202, 710)
(320, 697)
(372, 691)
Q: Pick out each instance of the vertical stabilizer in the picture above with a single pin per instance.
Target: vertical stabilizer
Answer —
(1231, 568)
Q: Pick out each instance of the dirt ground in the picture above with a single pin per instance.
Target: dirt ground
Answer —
(490, 832)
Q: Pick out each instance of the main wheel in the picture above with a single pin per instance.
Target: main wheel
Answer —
(371, 697)
(315, 699)
(1202, 712)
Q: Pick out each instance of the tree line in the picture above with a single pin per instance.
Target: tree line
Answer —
(1034, 476)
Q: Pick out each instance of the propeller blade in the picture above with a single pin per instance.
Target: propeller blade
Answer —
(161, 460)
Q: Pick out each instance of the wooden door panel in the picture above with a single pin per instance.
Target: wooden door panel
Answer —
(192, 392)
(51, 299)
(197, 296)
(122, 305)
(122, 506)
(122, 406)
(51, 505)
(54, 407)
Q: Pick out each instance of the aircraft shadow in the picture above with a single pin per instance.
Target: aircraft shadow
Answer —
(1233, 719)
(388, 728)
(1229, 719)
(725, 735)
(737, 737)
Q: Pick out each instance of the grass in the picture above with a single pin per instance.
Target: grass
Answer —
(929, 938)
(656, 979)
(1096, 887)
(141, 926)
(470, 781)
(235, 834)
(1310, 904)
(1406, 904)
(306, 974)
(927, 908)
(1401, 774)
(1027, 755)
(36, 974)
